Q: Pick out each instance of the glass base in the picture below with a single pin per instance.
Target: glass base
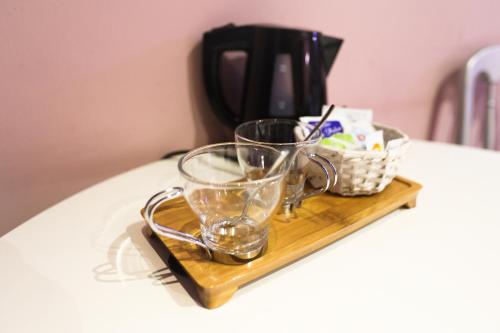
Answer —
(231, 259)
(288, 207)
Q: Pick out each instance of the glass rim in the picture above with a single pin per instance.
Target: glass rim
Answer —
(312, 140)
(207, 148)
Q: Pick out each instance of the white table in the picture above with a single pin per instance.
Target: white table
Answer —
(84, 265)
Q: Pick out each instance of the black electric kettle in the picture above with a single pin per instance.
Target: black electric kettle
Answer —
(254, 72)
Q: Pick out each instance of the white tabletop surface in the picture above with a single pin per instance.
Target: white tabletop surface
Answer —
(84, 265)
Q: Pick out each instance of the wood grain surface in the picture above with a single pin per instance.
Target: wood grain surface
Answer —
(320, 221)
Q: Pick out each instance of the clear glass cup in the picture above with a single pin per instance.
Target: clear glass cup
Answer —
(285, 135)
(234, 189)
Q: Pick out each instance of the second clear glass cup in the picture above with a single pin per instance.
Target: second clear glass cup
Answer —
(285, 135)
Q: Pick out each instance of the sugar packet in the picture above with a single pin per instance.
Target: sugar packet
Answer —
(345, 128)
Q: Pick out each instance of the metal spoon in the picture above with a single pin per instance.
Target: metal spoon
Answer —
(273, 167)
(321, 122)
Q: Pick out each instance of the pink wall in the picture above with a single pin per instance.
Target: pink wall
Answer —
(92, 88)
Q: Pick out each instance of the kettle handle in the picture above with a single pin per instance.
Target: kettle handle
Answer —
(215, 43)
(331, 46)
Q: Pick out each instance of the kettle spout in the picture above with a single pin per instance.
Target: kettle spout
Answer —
(331, 46)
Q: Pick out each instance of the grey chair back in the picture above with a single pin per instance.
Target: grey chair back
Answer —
(485, 62)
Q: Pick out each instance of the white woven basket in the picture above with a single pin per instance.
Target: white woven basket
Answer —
(364, 172)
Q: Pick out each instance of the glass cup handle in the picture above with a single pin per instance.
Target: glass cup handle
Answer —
(324, 164)
(154, 203)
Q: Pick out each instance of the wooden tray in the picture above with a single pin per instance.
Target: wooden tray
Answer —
(320, 221)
